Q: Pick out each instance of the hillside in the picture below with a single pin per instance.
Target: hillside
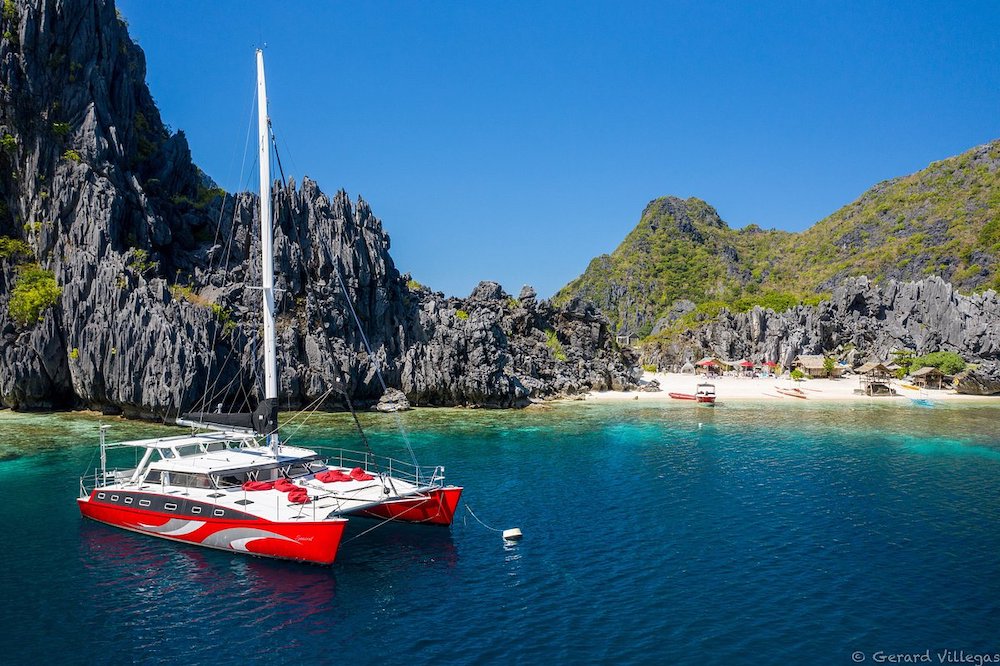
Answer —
(943, 220)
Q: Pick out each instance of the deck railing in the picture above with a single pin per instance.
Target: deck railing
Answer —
(421, 475)
(92, 480)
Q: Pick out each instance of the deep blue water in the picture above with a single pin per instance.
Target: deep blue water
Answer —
(665, 534)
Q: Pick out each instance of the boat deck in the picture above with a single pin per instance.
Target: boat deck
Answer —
(325, 500)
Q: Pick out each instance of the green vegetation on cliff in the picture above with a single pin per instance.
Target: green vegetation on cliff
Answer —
(35, 290)
(682, 264)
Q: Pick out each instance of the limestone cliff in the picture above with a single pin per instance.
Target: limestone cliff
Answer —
(861, 320)
(153, 266)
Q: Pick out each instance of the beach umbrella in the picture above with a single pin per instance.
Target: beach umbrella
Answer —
(770, 364)
(706, 361)
(746, 364)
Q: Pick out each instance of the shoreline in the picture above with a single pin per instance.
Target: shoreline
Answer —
(762, 390)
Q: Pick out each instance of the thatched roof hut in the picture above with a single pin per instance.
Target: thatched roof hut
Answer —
(928, 377)
(814, 365)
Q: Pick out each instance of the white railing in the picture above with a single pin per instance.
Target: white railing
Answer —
(95, 479)
(420, 475)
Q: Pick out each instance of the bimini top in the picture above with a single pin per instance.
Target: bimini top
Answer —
(161, 443)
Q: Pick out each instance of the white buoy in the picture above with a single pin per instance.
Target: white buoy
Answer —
(513, 534)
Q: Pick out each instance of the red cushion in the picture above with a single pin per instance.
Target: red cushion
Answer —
(258, 485)
(332, 476)
(298, 496)
(359, 474)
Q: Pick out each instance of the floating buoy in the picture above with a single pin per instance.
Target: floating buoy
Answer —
(513, 534)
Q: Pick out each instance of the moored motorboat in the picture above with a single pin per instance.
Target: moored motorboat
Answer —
(704, 394)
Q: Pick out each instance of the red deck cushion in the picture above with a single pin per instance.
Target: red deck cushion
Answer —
(332, 476)
(298, 496)
(359, 474)
(258, 485)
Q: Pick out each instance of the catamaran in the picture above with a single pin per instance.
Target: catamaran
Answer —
(231, 483)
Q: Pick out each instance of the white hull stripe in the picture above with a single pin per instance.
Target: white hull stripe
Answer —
(237, 538)
(174, 527)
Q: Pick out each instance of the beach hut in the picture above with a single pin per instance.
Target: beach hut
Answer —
(815, 366)
(626, 338)
(875, 379)
(709, 365)
(928, 377)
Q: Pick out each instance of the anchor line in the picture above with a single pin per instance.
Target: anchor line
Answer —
(469, 509)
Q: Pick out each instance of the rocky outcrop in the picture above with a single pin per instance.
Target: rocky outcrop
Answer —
(393, 400)
(862, 320)
(984, 379)
(156, 312)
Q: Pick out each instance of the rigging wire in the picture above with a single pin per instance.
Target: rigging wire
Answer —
(374, 361)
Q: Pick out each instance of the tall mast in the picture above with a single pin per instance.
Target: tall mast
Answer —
(266, 245)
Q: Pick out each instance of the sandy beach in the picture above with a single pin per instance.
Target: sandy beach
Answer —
(763, 389)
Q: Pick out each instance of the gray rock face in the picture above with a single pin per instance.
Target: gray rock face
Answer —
(983, 380)
(862, 319)
(157, 313)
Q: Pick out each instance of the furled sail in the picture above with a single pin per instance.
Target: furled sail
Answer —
(263, 420)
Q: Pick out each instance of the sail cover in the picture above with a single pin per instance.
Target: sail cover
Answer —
(263, 420)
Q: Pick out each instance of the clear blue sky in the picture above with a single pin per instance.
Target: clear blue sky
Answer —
(514, 141)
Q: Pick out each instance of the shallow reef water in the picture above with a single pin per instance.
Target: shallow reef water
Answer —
(653, 533)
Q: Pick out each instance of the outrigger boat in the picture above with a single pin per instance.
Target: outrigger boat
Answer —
(793, 392)
(238, 487)
(704, 394)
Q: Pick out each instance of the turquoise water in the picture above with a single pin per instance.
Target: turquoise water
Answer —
(653, 534)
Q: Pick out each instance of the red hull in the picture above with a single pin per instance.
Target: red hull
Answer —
(705, 399)
(315, 542)
(436, 508)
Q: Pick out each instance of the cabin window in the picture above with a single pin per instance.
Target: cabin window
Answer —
(100, 495)
(218, 512)
(267, 474)
(166, 453)
(170, 506)
(232, 480)
(153, 476)
(216, 446)
(114, 498)
(196, 509)
(190, 480)
(299, 469)
(128, 500)
(188, 450)
(143, 502)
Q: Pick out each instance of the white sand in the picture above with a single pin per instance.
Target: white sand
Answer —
(763, 389)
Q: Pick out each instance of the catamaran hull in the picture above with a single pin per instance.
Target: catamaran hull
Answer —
(315, 542)
(434, 508)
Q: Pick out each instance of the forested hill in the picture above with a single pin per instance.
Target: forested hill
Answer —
(943, 220)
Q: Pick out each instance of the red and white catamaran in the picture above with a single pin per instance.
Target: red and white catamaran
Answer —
(237, 487)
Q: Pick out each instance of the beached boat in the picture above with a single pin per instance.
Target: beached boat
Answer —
(232, 484)
(704, 394)
(792, 392)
